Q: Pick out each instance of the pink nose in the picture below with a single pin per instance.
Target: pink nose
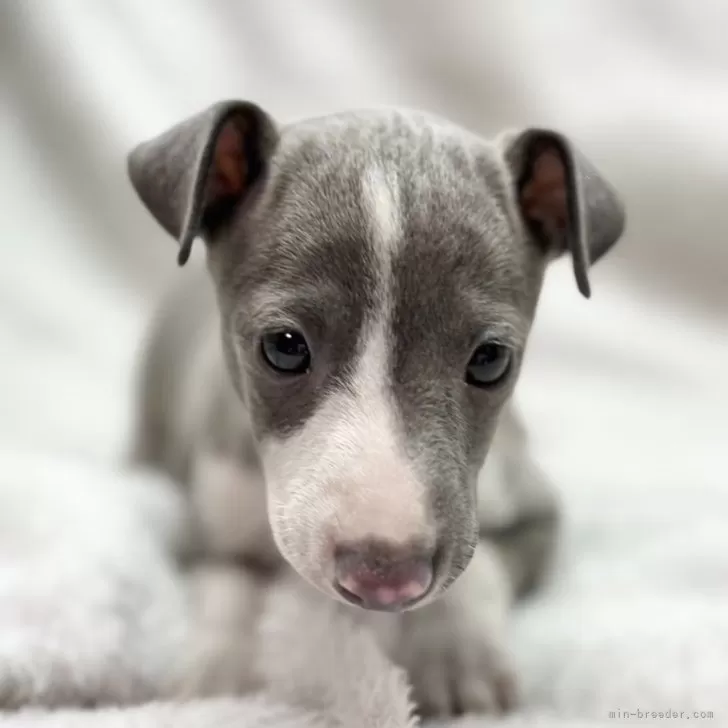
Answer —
(384, 578)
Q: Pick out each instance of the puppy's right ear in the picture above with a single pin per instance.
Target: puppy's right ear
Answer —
(193, 176)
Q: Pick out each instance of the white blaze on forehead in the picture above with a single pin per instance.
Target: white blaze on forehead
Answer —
(380, 197)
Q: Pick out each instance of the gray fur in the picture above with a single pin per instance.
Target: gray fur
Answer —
(451, 259)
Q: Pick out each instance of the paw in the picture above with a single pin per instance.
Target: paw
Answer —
(455, 671)
(29, 678)
(16, 688)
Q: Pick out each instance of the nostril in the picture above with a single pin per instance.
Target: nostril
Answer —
(384, 578)
(347, 593)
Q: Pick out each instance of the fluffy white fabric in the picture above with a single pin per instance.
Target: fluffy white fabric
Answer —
(626, 395)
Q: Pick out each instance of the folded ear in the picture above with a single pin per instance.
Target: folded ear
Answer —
(194, 175)
(565, 202)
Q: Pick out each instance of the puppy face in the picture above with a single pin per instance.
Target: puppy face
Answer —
(377, 280)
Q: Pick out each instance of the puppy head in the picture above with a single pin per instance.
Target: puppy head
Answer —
(377, 274)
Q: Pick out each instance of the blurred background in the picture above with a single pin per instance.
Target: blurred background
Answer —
(626, 394)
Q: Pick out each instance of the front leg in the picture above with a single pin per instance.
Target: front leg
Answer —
(454, 649)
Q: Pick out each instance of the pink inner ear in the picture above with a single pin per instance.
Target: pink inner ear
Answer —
(229, 169)
(544, 196)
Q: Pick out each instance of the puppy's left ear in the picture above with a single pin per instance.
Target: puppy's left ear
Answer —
(193, 176)
(565, 202)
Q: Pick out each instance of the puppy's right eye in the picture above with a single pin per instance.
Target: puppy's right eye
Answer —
(286, 352)
(488, 365)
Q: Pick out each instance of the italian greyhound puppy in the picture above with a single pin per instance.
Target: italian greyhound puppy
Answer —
(329, 388)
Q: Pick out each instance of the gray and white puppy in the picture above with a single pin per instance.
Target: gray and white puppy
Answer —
(374, 277)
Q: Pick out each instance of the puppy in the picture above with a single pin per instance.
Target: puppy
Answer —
(344, 366)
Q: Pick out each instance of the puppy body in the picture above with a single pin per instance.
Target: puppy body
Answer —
(404, 258)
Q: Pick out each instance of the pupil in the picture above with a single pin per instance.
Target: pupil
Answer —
(289, 344)
(487, 354)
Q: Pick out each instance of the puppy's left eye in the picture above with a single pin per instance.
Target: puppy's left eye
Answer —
(488, 365)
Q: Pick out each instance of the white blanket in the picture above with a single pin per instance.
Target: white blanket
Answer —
(626, 394)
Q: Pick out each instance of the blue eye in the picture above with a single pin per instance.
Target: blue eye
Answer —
(286, 352)
(488, 365)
